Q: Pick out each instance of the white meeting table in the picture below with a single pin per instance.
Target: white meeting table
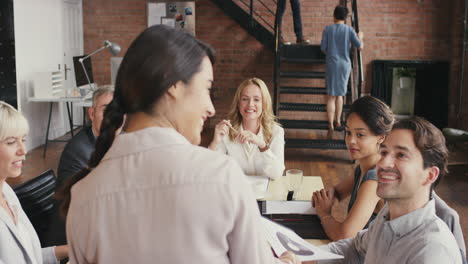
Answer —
(80, 101)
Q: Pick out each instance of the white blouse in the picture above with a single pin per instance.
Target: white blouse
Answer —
(269, 163)
(155, 198)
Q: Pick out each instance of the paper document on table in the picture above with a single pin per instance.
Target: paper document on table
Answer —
(282, 239)
(288, 207)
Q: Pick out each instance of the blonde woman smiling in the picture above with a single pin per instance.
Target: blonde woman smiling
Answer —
(251, 134)
(19, 242)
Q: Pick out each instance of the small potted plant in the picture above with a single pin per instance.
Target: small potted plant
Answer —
(406, 76)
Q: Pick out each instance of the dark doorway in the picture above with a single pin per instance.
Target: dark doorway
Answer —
(7, 54)
(431, 83)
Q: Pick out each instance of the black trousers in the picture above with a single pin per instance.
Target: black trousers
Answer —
(296, 10)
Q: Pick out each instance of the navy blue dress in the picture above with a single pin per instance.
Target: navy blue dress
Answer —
(371, 175)
(336, 43)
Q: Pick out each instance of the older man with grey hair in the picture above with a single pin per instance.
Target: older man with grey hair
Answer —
(78, 150)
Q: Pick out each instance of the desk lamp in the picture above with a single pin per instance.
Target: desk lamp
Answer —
(113, 48)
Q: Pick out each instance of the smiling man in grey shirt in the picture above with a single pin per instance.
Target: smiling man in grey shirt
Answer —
(407, 230)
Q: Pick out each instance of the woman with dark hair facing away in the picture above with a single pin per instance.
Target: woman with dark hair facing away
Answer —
(369, 121)
(150, 195)
(336, 44)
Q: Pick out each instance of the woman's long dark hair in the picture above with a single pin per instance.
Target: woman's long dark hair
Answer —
(157, 59)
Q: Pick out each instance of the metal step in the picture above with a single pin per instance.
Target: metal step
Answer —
(315, 143)
(302, 53)
(304, 74)
(307, 124)
(307, 107)
(303, 90)
(302, 60)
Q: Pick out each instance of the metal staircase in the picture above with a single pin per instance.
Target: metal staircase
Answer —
(299, 74)
(245, 13)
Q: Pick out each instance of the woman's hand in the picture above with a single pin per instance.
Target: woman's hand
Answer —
(221, 130)
(249, 137)
(289, 258)
(61, 252)
(323, 201)
(361, 35)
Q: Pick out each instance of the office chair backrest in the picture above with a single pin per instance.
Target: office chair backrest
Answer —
(37, 199)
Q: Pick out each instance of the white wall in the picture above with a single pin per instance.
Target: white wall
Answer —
(38, 44)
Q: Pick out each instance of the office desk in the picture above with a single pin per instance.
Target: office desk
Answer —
(69, 103)
(306, 226)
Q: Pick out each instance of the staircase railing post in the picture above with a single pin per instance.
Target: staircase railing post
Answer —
(356, 26)
(276, 65)
(251, 14)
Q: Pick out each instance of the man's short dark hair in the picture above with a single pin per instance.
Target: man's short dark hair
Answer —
(340, 13)
(430, 142)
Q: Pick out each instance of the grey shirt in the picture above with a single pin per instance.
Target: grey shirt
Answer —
(452, 219)
(417, 237)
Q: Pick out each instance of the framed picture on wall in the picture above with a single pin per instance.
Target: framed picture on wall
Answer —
(168, 21)
(179, 15)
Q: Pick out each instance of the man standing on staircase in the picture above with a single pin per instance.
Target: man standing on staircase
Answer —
(296, 10)
(336, 41)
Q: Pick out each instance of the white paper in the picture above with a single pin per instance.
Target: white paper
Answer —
(282, 239)
(155, 12)
(289, 207)
(168, 21)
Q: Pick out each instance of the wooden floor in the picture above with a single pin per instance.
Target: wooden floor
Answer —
(331, 165)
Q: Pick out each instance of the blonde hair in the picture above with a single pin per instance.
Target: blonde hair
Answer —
(267, 118)
(12, 122)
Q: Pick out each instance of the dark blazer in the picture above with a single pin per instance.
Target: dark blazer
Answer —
(74, 157)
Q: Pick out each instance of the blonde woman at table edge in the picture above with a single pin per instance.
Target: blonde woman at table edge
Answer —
(251, 134)
(150, 194)
(369, 121)
(19, 242)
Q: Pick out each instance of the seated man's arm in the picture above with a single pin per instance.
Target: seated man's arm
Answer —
(435, 252)
(352, 249)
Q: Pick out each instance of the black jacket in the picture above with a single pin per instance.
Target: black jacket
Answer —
(75, 155)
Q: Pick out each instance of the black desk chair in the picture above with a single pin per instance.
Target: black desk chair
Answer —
(37, 199)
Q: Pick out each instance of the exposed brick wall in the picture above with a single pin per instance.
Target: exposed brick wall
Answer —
(403, 30)
(119, 21)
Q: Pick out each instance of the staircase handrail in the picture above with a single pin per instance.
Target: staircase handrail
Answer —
(355, 24)
(356, 55)
(253, 13)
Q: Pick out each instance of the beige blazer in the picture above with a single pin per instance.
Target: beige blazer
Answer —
(155, 198)
(19, 242)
